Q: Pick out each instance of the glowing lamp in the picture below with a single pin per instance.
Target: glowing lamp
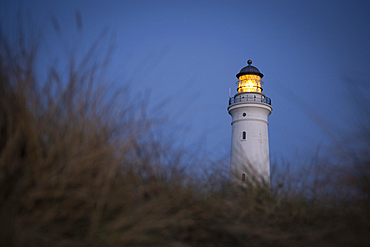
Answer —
(249, 79)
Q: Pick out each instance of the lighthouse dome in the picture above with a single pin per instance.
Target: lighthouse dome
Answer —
(249, 70)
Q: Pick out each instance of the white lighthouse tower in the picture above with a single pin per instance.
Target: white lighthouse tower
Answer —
(249, 108)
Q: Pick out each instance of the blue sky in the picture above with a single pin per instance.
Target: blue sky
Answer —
(188, 53)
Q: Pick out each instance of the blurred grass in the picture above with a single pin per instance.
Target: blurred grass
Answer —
(80, 166)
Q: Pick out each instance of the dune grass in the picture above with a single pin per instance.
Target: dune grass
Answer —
(79, 166)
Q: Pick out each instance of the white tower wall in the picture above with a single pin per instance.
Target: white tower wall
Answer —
(249, 151)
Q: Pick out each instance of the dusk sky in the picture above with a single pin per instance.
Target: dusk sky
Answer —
(188, 53)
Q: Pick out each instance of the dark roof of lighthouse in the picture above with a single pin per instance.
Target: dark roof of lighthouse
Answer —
(249, 70)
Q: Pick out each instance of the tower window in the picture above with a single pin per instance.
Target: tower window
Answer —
(244, 135)
(244, 114)
(243, 177)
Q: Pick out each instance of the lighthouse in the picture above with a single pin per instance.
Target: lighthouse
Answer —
(249, 109)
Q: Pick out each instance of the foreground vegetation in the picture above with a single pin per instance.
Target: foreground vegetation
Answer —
(77, 169)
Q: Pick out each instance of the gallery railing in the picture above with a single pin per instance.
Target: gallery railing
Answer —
(249, 98)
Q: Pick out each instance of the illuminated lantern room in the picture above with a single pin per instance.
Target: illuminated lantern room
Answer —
(249, 79)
